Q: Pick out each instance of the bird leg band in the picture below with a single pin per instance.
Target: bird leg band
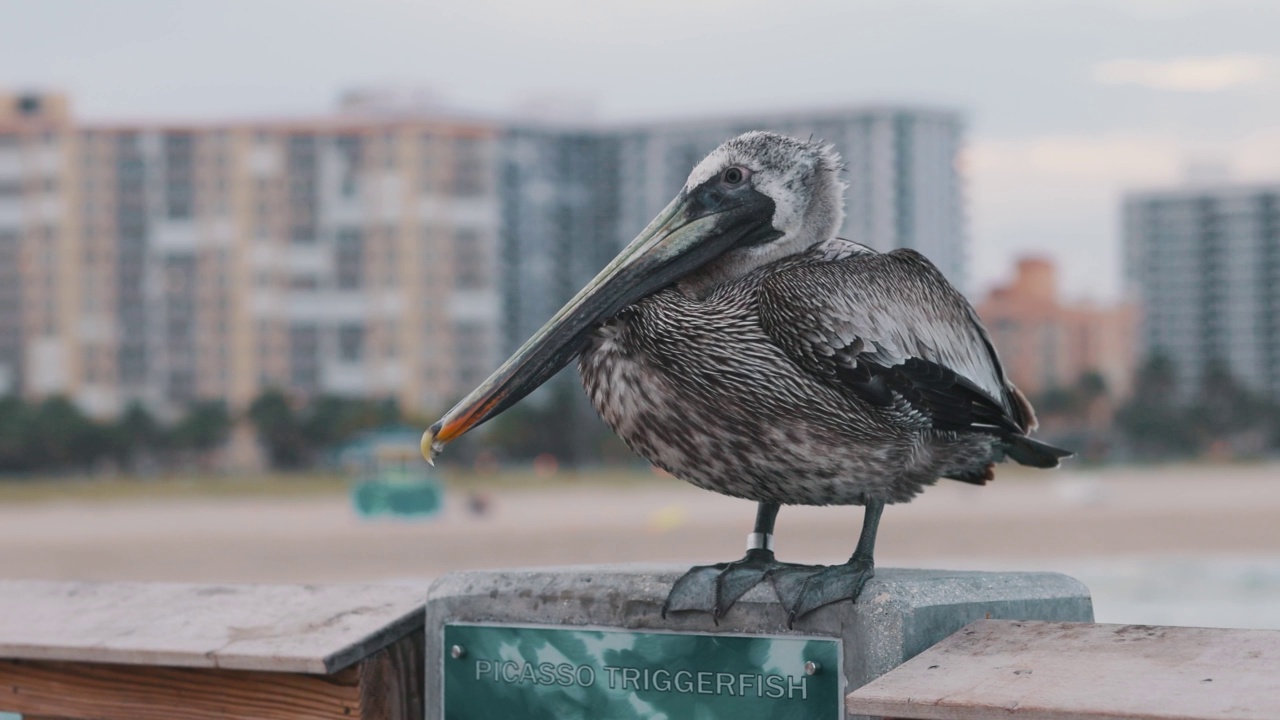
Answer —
(760, 541)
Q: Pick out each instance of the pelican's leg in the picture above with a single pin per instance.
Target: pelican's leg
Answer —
(803, 592)
(715, 588)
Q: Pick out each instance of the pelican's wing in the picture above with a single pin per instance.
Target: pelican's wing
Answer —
(891, 329)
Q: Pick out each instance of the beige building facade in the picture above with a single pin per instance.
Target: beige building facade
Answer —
(41, 280)
(166, 263)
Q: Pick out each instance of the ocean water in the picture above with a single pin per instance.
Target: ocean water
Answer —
(1235, 591)
(1213, 591)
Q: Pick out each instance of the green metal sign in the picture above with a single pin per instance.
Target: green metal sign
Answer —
(397, 493)
(504, 671)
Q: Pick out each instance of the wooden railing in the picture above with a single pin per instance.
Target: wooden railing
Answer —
(1081, 671)
(128, 651)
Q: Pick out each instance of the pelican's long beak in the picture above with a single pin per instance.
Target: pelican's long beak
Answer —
(697, 226)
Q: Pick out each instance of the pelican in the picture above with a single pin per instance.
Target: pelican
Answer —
(739, 345)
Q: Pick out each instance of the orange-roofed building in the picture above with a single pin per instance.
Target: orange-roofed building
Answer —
(1046, 344)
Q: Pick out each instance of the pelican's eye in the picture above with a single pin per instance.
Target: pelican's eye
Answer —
(735, 175)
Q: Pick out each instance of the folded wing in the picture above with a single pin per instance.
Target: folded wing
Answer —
(890, 329)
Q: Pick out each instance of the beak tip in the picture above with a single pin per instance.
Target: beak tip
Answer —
(429, 446)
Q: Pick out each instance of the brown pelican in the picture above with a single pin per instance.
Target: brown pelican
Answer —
(739, 345)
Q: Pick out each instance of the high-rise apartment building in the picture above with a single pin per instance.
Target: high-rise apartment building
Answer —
(1205, 263)
(560, 220)
(352, 254)
(573, 197)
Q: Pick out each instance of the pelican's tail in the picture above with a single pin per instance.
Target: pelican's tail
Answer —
(1033, 452)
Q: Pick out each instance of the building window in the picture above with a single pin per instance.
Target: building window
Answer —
(29, 105)
(392, 346)
(349, 258)
(351, 343)
(349, 149)
(389, 260)
(428, 168)
(179, 160)
(471, 167)
(304, 346)
(389, 150)
(470, 353)
(303, 281)
(472, 261)
(302, 234)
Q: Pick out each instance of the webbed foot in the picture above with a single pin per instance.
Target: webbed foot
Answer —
(715, 588)
(805, 589)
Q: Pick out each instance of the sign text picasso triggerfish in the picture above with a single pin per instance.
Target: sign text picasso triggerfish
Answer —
(497, 671)
(688, 681)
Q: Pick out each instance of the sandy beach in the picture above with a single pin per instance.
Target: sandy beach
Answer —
(1184, 545)
(1021, 520)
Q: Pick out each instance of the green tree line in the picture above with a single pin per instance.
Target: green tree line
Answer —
(1159, 420)
(54, 435)
(1219, 414)
(1155, 422)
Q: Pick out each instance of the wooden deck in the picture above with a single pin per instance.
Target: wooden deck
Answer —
(130, 651)
(1078, 671)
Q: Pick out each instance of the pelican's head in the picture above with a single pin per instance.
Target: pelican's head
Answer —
(801, 181)
(757, 198)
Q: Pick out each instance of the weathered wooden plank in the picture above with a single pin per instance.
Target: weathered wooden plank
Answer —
(387, 686)
(281, 628)
(391, 682)
(1079, 671)
(134, 692)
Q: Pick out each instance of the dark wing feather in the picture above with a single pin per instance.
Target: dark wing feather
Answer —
(892, 330)
(950, 401)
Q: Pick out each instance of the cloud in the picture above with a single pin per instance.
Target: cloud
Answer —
(1058, 196)
(1125, 157)
(1210, 73)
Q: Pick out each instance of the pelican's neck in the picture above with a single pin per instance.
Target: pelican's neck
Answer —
(701, 283)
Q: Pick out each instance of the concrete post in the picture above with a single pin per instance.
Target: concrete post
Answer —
(901, 612)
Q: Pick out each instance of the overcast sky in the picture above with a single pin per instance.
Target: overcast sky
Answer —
(1069, 103)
